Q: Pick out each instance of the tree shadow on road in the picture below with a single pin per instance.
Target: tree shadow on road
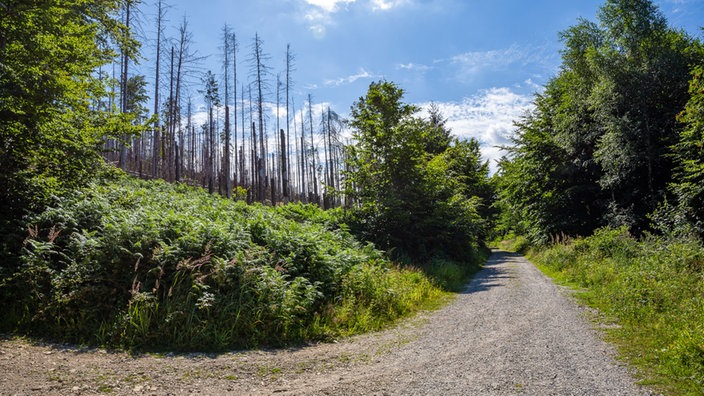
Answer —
(492, 274)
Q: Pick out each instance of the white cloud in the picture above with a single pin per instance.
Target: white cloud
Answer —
(533, 85)
(319, 14)
(318, 30)
(318, 21)
(384, 5)
(328, 5)
(488, 117)
(414, 67)
(349, 79)
(473, 62)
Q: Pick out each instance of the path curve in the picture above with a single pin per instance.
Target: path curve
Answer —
(512, 332)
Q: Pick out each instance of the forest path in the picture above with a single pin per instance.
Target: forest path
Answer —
(512, 332)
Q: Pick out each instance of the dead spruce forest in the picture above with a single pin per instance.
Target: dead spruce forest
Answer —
(133, 217)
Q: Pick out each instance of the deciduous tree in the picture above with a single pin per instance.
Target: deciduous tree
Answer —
(415, 187)
(50, 133)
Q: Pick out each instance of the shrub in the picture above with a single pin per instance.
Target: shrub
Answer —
(515, 243)
(654, 288)
(152, 265)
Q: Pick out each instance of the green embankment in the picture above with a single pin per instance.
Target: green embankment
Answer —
(653, 291)
(151, 265)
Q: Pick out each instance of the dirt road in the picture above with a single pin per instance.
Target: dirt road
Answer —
(512, 332)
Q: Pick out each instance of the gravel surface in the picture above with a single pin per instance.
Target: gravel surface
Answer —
(512, 332)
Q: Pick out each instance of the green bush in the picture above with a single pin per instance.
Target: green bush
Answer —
(375, 294)
(451, 275)
(654, 288)
(417, 190)
(514, 243)
(153, 265)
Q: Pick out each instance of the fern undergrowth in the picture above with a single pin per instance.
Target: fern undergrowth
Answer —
(152, 265)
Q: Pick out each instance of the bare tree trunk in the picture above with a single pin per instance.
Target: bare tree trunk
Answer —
(184, 41)
(331, 168)
(161, 14)
(289, 83)
(258, 54)
(211, 149)
(304, 168)
(312, 148)
(325, 126)
(109, 144)
(296, 174)
(241, 165)
(338, 165)
(284, 169)
(243, 173)
(226, 155)
(253, 147)
(217, 159)
(170, 123)
(226, 38)
(296, 181)
(234, 109)
(162, 149)
(188, 160)
(123, 89)
(279, 146)
(178, 169)
(204, 145)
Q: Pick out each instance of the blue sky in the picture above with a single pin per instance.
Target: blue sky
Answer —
(481, 61)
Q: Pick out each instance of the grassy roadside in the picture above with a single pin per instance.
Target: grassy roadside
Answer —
(650, 292)
(151, 265)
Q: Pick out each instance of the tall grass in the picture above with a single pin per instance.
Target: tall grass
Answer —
(654, 289)
(514, 243)
(137, 264)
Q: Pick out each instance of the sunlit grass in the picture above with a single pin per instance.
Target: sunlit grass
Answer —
(654, 292)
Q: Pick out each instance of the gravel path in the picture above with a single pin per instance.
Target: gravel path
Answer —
(512, 332)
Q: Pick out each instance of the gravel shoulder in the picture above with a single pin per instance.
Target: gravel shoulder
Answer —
(512, 332)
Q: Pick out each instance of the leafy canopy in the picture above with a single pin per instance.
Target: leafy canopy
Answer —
(418, 190)
(596, 150)
(50, 126)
